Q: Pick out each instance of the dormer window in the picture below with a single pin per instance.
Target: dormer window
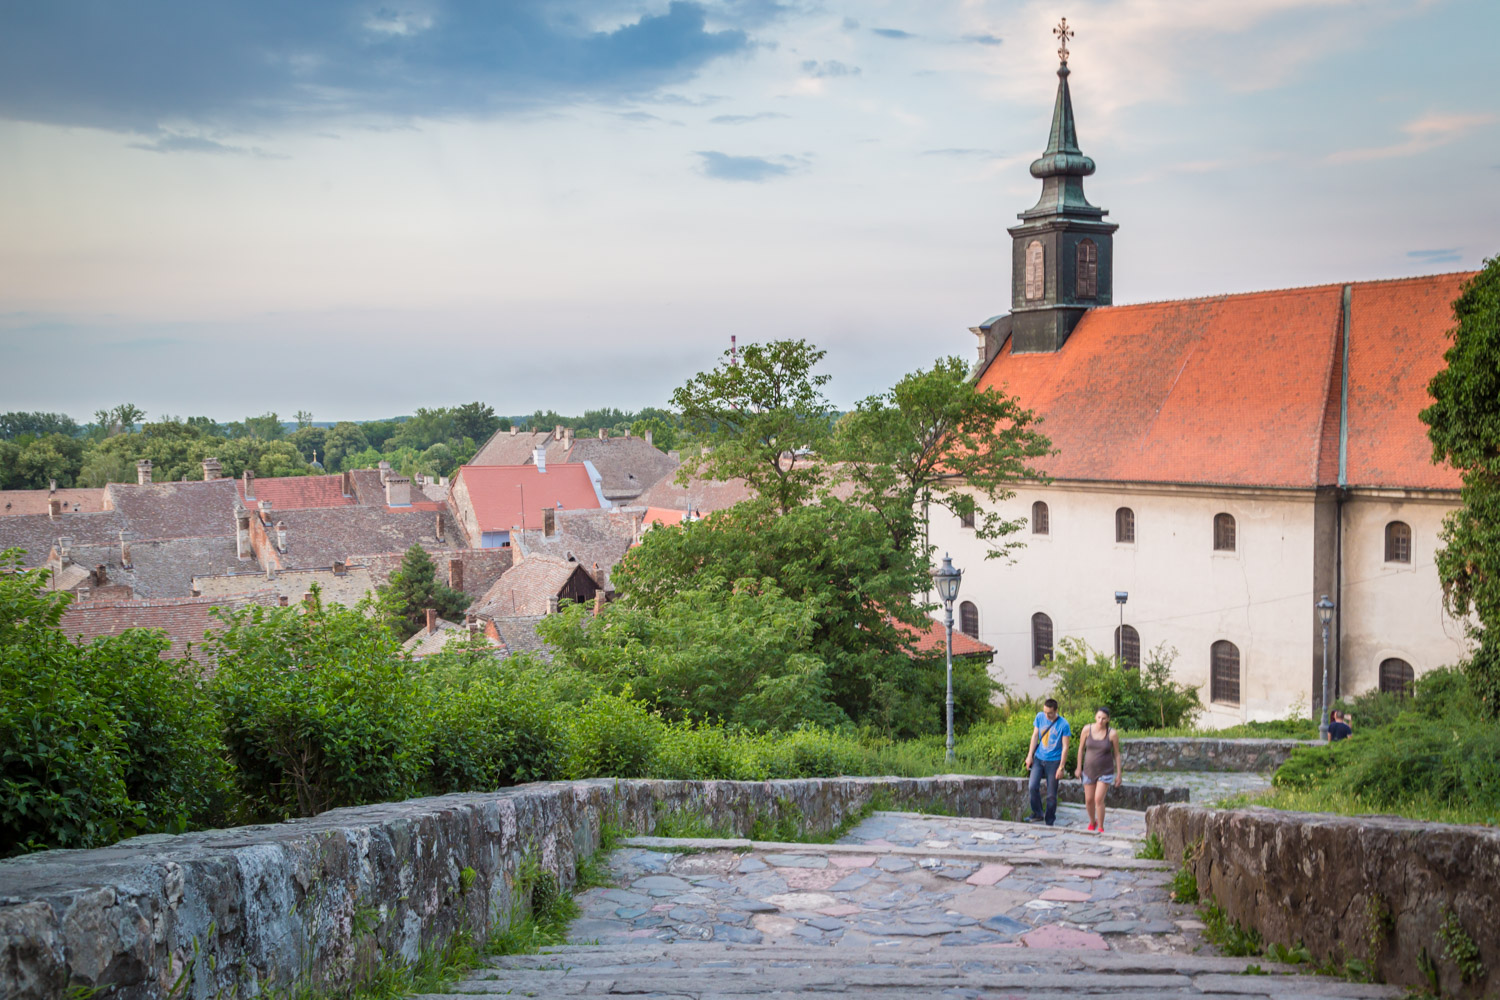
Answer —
(1088, 269)
(1035, 270)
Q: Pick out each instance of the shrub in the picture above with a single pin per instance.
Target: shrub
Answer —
(612, 736)
(1085, 679)
(320, 709)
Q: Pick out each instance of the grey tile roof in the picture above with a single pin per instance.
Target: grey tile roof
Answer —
(588, 537)
(525, 588)
(426, 643)
(319, 537)
(175, 510)
(36, 533)
(628, 466)
(164, 567)
(520, 635)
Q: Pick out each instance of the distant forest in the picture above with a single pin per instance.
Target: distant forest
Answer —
(37, 449)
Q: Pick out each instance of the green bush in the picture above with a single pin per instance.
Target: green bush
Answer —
(1085, 679)
(612, 736)
(320, 709)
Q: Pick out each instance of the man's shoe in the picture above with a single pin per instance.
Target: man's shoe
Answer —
(1031, 819)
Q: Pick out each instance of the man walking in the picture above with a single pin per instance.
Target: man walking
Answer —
(1049, 747)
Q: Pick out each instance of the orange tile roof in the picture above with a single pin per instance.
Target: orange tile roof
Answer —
(298, 492)
(75, 501)
(183, 619)
(1243, 390)
(933, 639)
(496, 500)
(664, 515)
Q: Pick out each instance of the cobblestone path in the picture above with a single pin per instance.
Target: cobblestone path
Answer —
(904, 906)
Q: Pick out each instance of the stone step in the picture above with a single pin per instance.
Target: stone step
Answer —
(1059, 858)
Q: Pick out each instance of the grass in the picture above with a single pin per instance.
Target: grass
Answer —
(1327, 800)
(1279, 729)
(1151, 848)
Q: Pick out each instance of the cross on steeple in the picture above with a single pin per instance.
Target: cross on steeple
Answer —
(1063, 33)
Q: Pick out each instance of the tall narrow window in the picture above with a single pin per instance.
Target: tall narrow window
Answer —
(1088, 269)
(1125, 525)
(1128, 647)
(1035, 270)
(1224, 533)
(1041, 638)
(968, 619)
(1041, 519)
(1396, 677)
(1398, 542)
(1224, 680)
(966, 519)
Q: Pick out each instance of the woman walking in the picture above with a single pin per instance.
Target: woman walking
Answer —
(1099, 765)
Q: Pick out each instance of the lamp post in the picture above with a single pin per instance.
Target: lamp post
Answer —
(946, 580)
(1325, 614)
(1121, 596)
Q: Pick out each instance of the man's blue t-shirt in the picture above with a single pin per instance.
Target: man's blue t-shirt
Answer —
(1049, 747)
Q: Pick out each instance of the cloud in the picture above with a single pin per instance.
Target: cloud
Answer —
(1450, 256)
(178, 142)
(895, 33)
(985, 39)
(249, 64)
(956, 152)
(832, 67)
(638, 116)
(744, 119)
(754, 169)
(851, 24)
(1422, 134)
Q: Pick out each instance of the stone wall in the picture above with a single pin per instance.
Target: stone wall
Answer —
(1373, 888)
(1196, 754)
(308, 901)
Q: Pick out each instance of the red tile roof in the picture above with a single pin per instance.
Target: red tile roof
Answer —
(184, 619)
(933, 639)
(298, 492)
(75, 501)
(496, 499)
(1243, 390)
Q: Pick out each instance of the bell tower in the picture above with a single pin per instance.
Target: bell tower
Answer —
(1062, 253)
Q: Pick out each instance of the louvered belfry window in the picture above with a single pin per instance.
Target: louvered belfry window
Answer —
(1035, 270)
(1088, 269)
(1224, 682)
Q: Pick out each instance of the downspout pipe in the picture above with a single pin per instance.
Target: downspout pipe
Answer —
(1339, 497)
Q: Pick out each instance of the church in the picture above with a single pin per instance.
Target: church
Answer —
(1221, 464)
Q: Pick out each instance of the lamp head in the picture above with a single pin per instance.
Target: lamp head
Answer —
(1121, 596)
(1325, 609)
(946, 579)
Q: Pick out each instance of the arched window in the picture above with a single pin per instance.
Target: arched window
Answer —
(968, 619)
(1224, 679)
(1396, 677)
(1035, 270)
(1398, 542)
(1041, 638)
(1088, 269)
(1128, 647)
(1125, 525)
(1041, 519)
(1223, 532)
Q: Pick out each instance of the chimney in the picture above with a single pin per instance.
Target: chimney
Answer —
(249, 479)
(539, 456)
(385, 470)
(549, 522)
(419, 479)
(627, 434)
(557, 432)
(265, 511)
(281, 601)
(514, 430)
(431, 620)
(554, 604)
(438, 530)
(54, 508)
(598, 601)
(52, 486)
(648, 437)
(242, 532)
(124, 552)
(310, 601)
(143, 472)
(456, 573)
(397, 491)
(348, 483)
(472, 624)
(64, 552)
(601, 434)
(101, 575)
(281, 536)
(212, 469)
(339, 569)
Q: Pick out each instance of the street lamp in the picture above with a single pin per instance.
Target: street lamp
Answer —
(1121, 596)
(946, 580)
(1325, 614)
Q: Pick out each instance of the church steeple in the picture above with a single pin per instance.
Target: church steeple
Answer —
(1062, 252)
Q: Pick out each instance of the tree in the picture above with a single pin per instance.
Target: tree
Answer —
(342, 439)
(126, 416)
(475, 420)
(37, 424)
(1464, 426)
(763, 420)
(937, 437)
(304, 419)
(413, 589)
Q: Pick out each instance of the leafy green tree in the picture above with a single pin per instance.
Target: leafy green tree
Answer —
(34, 463)
(1085, 679)
(320, 709)
(763, 419)
(475, 420)
(304, 419)
(312, 442)
(100, 468)
(663, 435)
(413, 589)
(1464, 426)
(341, 440)
(266, 427)
(937, 437)
(122, 419)
(37, 424)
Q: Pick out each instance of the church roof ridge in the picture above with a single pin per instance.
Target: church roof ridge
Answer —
(1289, 290)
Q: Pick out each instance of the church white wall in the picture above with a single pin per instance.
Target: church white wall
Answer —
(1394, 609)
(1182, 592)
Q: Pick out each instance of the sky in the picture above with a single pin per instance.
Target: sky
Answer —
(359, 208)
